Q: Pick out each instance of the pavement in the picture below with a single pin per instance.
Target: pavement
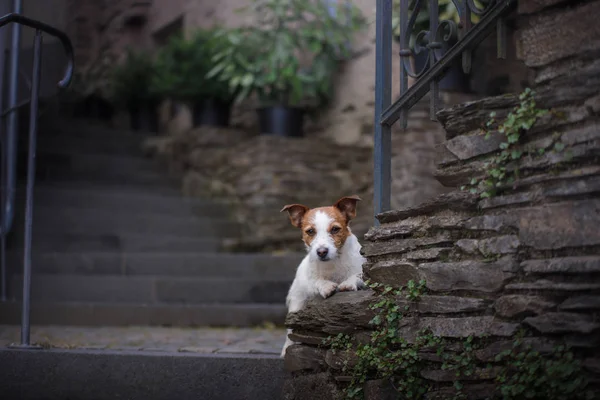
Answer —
(266, 340)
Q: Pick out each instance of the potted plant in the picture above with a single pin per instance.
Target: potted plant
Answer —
(295, 47)
(455, 79)
(183, 66)
(130, 89)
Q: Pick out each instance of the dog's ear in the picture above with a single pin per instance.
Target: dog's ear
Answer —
(347, 205)
(296, 213)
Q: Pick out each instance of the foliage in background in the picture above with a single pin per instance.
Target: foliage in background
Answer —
(183, 65)
(130, 82)
(447, 12)
(296, 47)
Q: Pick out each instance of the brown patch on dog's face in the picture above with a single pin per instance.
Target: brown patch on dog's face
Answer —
(324, 226)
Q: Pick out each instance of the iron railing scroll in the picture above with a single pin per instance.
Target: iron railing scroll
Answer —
(40, 29)
(433, 41)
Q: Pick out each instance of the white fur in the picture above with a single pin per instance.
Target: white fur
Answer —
(342, 272)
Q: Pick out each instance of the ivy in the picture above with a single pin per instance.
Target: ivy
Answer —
(523, 373)
(522, 118)
(528, 374)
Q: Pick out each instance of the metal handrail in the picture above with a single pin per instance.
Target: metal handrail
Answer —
(40, 28)
(386, 113)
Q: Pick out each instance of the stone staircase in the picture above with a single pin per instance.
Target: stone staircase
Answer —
(116, 244)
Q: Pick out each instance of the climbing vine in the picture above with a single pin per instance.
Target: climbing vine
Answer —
(520, 372)
(528, 374)
(496, 169)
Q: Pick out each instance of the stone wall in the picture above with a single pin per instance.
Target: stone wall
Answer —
(522, 263)
(259, 174)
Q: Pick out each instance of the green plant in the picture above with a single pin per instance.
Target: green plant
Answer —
(183, 67)
(130, 80)
(297, 45)
(528, 374)
(387, 355)
(496, 169)
(447, 12)
(522, 374)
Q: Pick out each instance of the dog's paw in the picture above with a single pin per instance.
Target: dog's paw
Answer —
(351, 284)
(348, 286)
(327, 289)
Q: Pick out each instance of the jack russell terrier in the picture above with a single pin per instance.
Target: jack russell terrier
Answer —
(333, 262)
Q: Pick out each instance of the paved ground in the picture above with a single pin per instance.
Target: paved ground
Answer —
(198, 340)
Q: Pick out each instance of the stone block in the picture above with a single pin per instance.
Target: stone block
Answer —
(580, 303)
(338, 359)
(460, 327)
(439, 375)
(304, 358)
(398, 246)
(467, 275)
(456, 201)
(395, 273)
(563, 265)
(466, 147)
(430, 304)
(516, 305)
(312, 387)
(544, 284)
(556, 35)
(498, 245)
(563, 322)
(344, 312)
(379, 389)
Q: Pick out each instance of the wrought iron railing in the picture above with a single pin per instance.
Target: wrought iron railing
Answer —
(9, 159)
(490, 13)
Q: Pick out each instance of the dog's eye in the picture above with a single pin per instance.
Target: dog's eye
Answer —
(310, 232)
(335, 229)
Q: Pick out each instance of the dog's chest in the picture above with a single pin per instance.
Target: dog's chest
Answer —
(335, 272)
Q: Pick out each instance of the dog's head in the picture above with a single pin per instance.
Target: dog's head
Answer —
(324, 229)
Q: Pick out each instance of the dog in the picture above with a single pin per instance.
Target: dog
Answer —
(333, 261)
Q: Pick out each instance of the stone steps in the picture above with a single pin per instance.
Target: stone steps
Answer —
(115, 243)
(52, 242)
(169, 264)
(69, 198)
(138, 375)
(152, 289)
(103, 314)
(115, 145)
(106, 221)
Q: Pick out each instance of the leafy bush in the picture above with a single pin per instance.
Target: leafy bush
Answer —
(183, 64)
(130, 81)
(290, 55)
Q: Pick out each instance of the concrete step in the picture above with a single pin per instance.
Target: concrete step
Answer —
(106, 177)
(100, 375)
(109, 222)
(59, 198)
(107, 187)
(96, 162)
(201, 265)
(128, 314)
(83, 128)
(48, 241)
(152, 289)
(65, 143)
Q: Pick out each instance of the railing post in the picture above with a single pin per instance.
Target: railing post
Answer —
(383, 99)
(33, 119)
(4, 9)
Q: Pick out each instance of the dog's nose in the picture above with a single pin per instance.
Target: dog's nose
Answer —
(322, 252)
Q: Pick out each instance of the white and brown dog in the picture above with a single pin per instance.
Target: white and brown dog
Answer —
(333, 262)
